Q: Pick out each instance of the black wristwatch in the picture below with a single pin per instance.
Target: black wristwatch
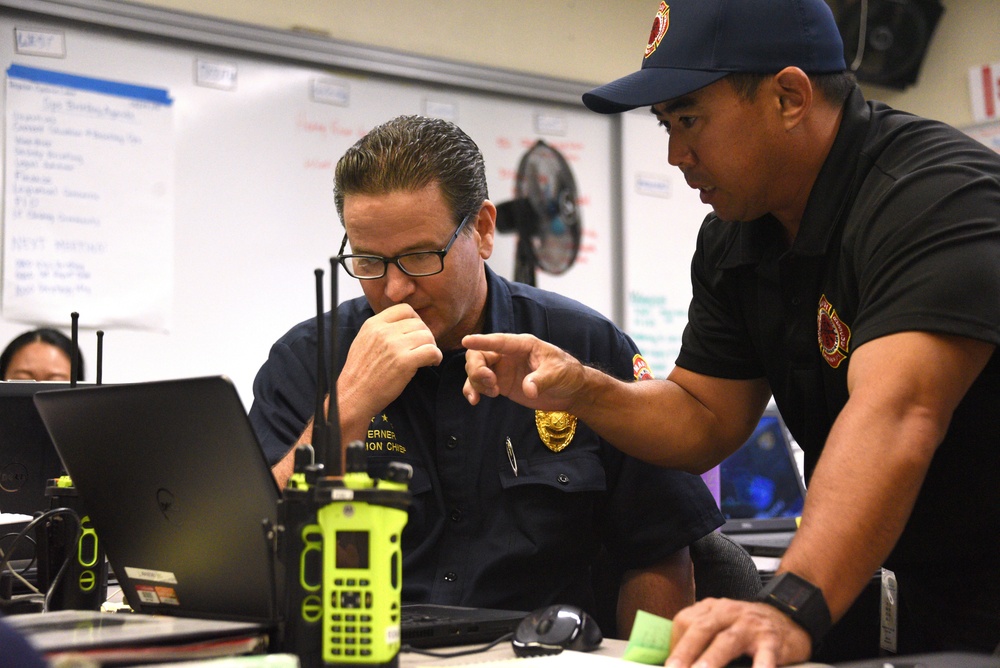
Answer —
(802, 601)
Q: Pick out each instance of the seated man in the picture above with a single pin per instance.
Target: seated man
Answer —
(511, 506)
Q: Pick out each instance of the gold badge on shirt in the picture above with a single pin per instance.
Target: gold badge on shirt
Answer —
(555, 428)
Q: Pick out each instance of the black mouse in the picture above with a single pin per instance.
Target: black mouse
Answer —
(552, 629)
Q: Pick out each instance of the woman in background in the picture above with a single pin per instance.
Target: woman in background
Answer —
(41, 354)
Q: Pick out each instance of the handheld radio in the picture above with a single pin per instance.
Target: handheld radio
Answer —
(84, 584)
(301, 551)
(362, 527)
(341, 537)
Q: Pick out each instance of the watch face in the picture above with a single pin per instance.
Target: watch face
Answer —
(800, 600)
(792, 592)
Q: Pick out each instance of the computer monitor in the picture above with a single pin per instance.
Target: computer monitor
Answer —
(759, 485)
(27, 457)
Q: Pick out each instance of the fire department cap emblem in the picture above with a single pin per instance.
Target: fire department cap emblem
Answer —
(834, 336)
(660, 24)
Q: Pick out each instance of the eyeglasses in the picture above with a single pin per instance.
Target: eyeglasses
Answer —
(421, 263)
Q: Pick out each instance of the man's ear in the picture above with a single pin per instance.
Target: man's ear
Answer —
(486, 227)
(794, 92)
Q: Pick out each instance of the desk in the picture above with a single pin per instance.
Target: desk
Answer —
(609, 647)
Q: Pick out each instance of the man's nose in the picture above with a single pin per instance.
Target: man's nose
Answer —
(679, 154)
(398, 284)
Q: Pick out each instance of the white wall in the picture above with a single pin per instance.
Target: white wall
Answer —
(588, 40)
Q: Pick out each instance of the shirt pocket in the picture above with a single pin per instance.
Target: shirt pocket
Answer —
(567, 472)
(550, 504)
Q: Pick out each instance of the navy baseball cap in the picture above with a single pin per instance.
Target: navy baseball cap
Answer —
(696, 42)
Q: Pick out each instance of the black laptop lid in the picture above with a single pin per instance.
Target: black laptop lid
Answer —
(760, 488)
(177, 489)
(27, 457)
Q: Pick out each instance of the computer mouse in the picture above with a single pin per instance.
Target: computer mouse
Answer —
(552, 629)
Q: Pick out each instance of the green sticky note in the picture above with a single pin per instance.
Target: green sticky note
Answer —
(649, 641)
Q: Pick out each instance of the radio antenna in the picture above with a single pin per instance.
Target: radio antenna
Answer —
(334, 457)
(100, 354)
(74, 358)
(319, 434)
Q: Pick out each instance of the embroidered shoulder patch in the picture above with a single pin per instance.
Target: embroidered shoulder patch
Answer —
(833, 334)
(640, 369)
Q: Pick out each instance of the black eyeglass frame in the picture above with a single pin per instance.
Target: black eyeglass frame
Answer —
(386, 261)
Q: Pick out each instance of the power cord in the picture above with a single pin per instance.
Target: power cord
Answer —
(465, 652)
(859, 55)
(17, 575)
(24, 534)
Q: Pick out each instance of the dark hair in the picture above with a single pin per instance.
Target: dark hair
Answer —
(835, 86)
(45, 335)
(410, 153)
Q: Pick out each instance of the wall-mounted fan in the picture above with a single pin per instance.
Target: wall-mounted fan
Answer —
(543, 213)
(885, 40)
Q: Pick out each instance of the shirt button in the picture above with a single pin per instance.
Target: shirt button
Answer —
(456, 515)
(452, 442)
(796, 301)
(450, 576)
(563, 479)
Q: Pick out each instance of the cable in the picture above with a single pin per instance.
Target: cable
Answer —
(19, 575)
(862, 30)
(38, 519)
(448, 655)
(69, 554)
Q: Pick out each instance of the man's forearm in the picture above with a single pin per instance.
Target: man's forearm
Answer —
(858, 503)
(686, 422)
(904, 389)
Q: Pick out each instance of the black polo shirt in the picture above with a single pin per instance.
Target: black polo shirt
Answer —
(479, 532)
(901, 233)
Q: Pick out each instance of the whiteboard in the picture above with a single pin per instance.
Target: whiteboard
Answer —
(662, 216)
(79, 215)
(255, 138)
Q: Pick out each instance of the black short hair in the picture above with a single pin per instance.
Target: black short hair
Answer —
(834, 86)
(45, 335)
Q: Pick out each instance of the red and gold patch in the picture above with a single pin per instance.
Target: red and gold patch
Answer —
(640, 369)
(834, 336)
(660, 24)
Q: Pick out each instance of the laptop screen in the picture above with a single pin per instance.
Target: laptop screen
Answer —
(27, 457)
(178, 490)
(760, 481)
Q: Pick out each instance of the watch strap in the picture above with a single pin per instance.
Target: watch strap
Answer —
(802, 601)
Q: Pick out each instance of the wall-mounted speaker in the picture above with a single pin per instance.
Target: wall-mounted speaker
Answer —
(885, 40)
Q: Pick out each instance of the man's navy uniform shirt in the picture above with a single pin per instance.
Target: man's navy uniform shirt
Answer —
(901, 233)
(478, 532)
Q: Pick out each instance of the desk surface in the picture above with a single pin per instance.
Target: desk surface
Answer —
(609, 647)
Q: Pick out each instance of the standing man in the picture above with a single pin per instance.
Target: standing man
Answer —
(511, 506)
(851, 269)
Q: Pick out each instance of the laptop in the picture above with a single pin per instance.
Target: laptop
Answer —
(761, 493)
(426, 625)
(28, 460)
(27, 457)
(82, 637)
(178, 488)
